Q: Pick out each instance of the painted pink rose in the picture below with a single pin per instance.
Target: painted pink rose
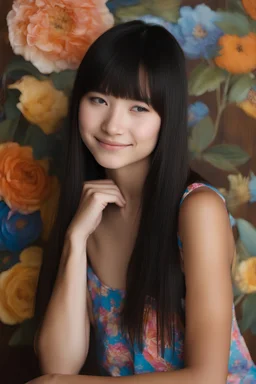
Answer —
(55, 34)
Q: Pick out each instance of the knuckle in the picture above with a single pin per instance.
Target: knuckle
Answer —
(88, 191)
(96, 196)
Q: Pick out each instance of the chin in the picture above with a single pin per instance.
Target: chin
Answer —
(110, 164)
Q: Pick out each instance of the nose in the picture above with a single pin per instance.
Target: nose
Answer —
(114, 123)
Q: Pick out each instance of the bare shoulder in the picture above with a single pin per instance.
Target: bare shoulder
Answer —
(204, 219)
(203, 202)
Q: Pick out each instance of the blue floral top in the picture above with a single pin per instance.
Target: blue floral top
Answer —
(117, 356)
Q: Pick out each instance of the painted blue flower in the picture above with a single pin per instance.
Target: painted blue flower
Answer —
(252, 188)
(174, 29)
(199, 31)
(19, 230)
(197, 112)
(114, 4)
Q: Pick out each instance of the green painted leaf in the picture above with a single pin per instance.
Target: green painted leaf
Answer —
(233, 23)
(205, 78)
(240, 88)
(24, 335)
(8, 129)
(167, 9)
(21, 130)
(201, 135)
(247, 234)
(249, 314)
(64, 80)
(219, 161)
(43, 145)
(10, 109)
(236, 291)
(253, 328)
(231, 153)
(18, 64)
(242, 251)
(130, 13)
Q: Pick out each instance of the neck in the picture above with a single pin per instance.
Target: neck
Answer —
(130, 180)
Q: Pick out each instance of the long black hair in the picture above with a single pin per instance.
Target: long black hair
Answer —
(112, 65)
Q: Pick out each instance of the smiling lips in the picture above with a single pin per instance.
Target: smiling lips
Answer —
(111, 146)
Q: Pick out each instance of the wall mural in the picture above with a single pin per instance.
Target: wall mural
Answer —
(49, 39)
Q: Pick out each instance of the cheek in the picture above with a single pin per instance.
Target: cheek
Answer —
(148, 132)
(84, 119)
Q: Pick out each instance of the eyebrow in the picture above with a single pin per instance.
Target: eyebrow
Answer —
(145, 100)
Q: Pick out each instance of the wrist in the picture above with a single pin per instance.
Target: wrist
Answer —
(75, 243)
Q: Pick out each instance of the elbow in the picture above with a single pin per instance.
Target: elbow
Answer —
(209, 376)
(54, 362)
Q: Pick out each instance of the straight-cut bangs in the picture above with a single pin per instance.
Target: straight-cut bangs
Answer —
(133, 61)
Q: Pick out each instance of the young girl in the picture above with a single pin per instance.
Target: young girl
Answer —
(142, 250)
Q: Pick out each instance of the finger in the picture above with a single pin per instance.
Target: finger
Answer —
(102, 181)
(110, 195)
(90, 189)
(114, 192)
(107, 198)
(102, 187)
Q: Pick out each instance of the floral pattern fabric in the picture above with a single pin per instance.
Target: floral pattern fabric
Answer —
(117, 356)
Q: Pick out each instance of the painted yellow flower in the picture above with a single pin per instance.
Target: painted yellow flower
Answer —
(49, 208)
(250, 7)
(18, 287)
(238, 193)
(237, 54)
(245, 275)
(249, 105)
(41, 103)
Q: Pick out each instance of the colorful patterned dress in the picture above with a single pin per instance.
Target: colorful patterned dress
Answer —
(118, 357)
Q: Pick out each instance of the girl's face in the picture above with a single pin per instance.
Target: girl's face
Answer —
(118, 132)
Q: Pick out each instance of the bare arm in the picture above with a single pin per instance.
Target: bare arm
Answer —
(208, 249)
(63, 339)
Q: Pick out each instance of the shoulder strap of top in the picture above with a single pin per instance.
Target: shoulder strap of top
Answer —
(194, 186)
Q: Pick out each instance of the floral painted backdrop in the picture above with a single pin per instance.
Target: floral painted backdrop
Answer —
(48, 39)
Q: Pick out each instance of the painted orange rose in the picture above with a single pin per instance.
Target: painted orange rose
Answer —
(55, 34)
(18, 287)
(237, 54)
(24, 183)
(250, 7)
